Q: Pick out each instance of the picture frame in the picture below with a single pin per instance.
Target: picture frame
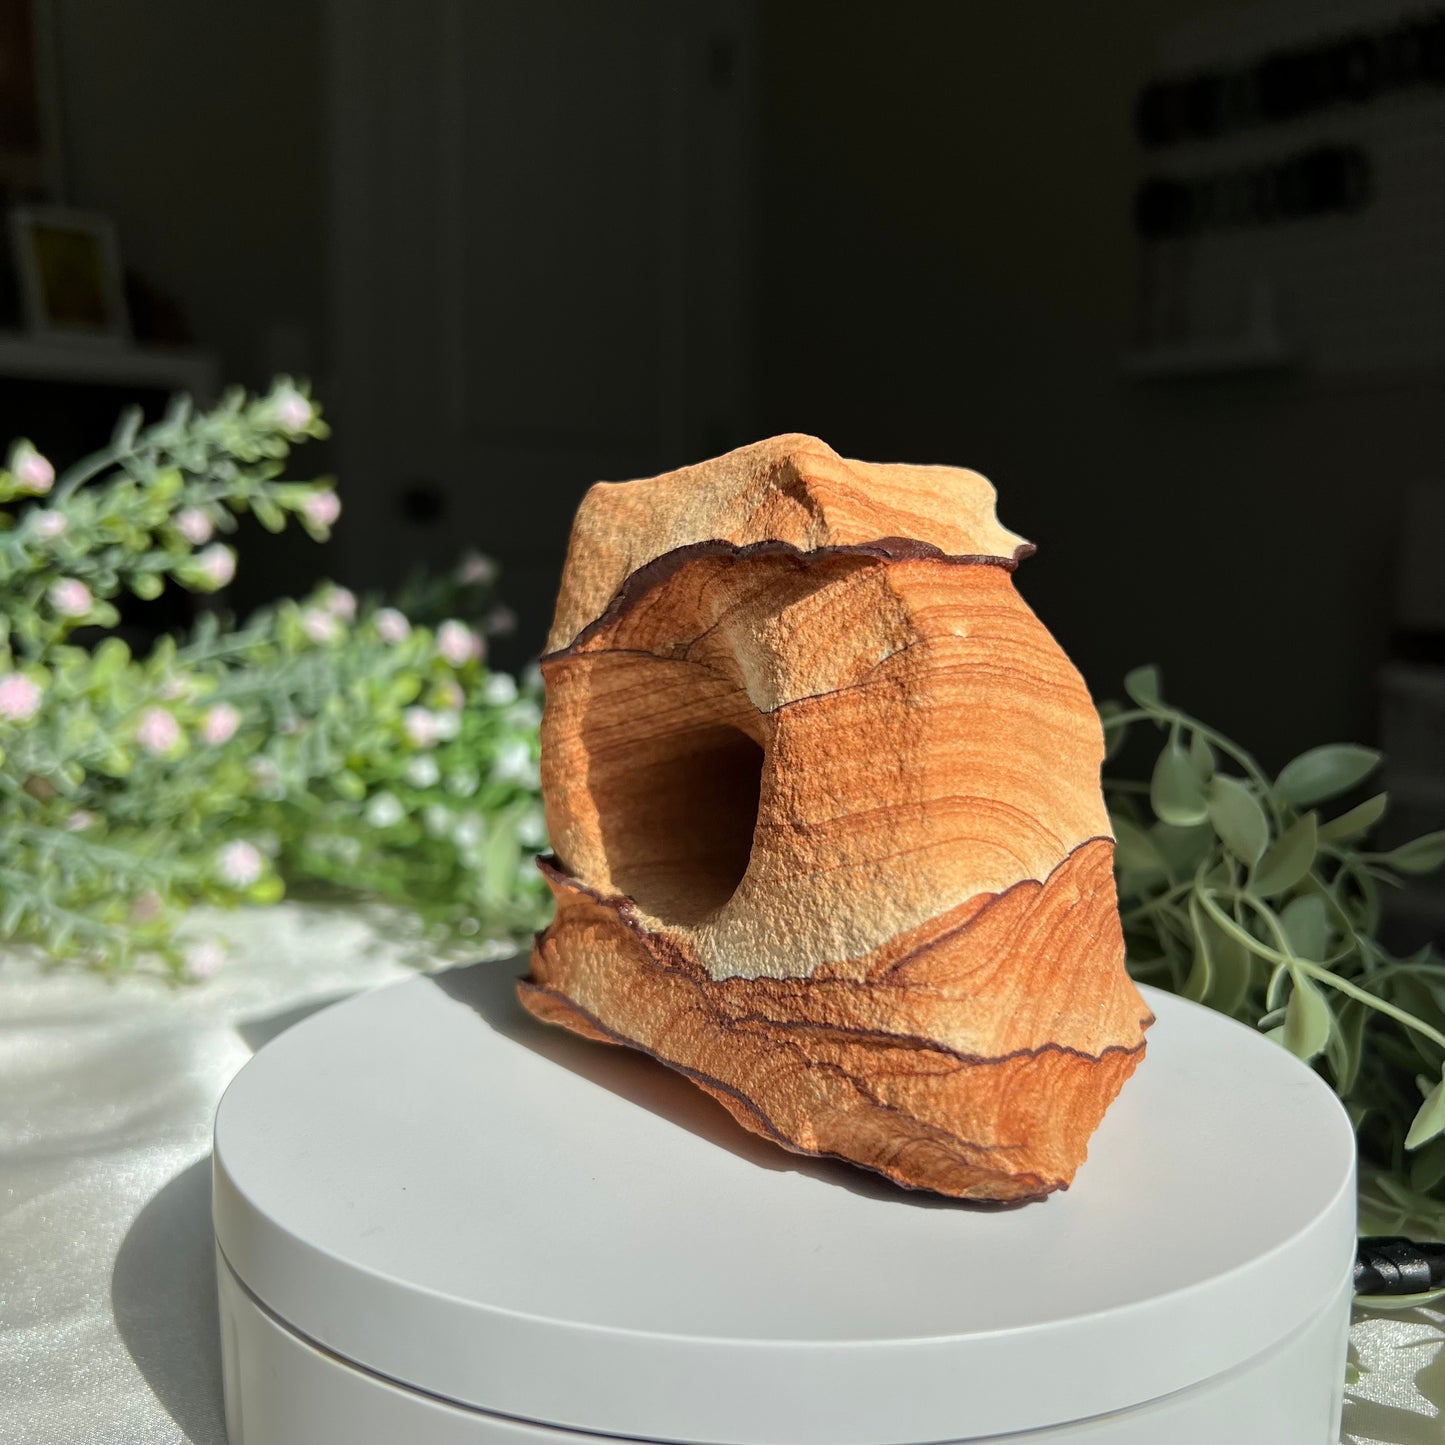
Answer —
(68, 263)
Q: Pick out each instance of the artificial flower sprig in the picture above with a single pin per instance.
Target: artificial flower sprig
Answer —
(1260, 896)
(145, 511)
(323, 741)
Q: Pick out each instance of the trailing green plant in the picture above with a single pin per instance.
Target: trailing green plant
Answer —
(1237, 892)
(323, 741)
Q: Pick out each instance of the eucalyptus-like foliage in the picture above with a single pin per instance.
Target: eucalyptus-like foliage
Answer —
(1236, 890)
(324, 741)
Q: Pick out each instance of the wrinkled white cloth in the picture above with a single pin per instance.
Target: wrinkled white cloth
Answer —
(108, 1330)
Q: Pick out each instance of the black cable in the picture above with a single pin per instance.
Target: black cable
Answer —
(1392, 1265)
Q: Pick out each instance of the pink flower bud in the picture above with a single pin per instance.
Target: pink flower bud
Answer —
(146, 908)
(476, 570)
(293, 412)
(217, 564)
(195, 526)
(421, 726)
(219, 724)
(322, 509)
(79, 821)
(321, 627)
(19, 697)
(457, 643)
(240, 864)
(70, 598)
(158, 731)
(341, 602)
(204, 958)
(391, 625)
(33, 472)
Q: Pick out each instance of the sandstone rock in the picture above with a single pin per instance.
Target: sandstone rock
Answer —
(824, 798)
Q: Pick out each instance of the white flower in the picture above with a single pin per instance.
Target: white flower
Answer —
(463, 783)
(513, 763)
(438, 820)
(499, 689)
(321, 627)
(499, 621)
(19, 697)
(422, 771)
(266, 775)
(469, 831)
(447, 724)
(219, 724)
(33, 472)
(475, 570)
(158, 731)
(240, 863)
(173, 689)
(47, 523)
(384, 811)
(79, 821)
(457, 643)
(217, 564)
(322, 509)
(525, 715)
(70, 598)
(391, 625)
(421, 726)
(194, 525)
(204, 957)
(341, 602)
(292, 411)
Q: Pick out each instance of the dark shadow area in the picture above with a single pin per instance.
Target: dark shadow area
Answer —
(489, 990)
(163, 1294)
(259, 1031)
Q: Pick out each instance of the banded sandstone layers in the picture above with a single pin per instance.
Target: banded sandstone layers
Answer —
(829, 837)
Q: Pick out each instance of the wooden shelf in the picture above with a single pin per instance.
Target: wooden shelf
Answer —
(165, 368)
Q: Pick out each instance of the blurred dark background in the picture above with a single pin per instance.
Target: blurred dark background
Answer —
(1172, 274)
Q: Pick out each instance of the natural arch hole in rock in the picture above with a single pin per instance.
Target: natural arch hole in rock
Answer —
(677, 794)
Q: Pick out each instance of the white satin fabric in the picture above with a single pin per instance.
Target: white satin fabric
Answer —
(107, 1091)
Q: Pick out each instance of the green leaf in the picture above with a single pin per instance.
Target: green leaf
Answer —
(1325, 772)
(1231, 967)
(1306, 925)
(1307, 1019)
(1200, 979)
(1427, 1168)
(1143, 686)
(1175, 792)
(268, 514)
(1359, 820)
(1289, 860)
(1420, 855)
(1238, 819)
(1201, 755)
(1429, 1119)
(1133, 847)
(1346, 1045)
(1183, 849)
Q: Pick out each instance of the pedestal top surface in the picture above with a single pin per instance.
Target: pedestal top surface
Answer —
(435, 1186)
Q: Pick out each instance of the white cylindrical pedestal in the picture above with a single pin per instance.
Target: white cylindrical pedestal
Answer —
(440, 1221)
